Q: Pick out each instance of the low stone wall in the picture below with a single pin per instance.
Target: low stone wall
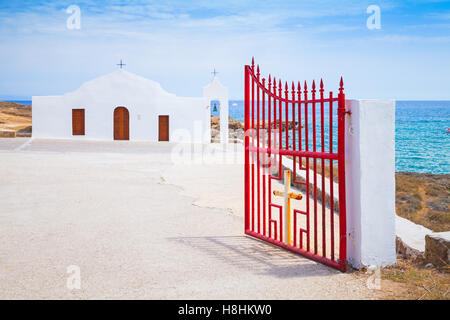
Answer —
(437, 249)
(406, 252)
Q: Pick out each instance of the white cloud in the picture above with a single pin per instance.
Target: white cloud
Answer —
(178, 43)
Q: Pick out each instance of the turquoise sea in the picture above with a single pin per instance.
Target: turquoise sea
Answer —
(422, 141)
(421, 138)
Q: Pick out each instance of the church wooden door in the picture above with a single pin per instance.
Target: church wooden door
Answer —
(78, 122)
(121, 124)
(163, 128)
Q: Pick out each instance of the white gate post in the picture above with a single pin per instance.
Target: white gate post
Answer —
(370, 181)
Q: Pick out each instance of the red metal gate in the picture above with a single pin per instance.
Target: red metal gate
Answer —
(295, 132)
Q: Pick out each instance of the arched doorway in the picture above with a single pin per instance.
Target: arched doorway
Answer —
(121, 124)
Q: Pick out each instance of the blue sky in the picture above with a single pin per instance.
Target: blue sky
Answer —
(178, 43)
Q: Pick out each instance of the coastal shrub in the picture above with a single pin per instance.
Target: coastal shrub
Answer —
(437, 206)
(439, 217)
(433, 191)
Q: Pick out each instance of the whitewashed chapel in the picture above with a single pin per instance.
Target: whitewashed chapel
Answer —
(124, 106)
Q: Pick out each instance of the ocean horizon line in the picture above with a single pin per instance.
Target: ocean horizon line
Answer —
(235, 99)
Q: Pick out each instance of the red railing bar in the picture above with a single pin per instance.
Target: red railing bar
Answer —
(309, 154)
(286, 121)
(258, 178)
(264, 158)
(331, 178)
(341, 168)
(294, 139)
(269, 154)
(322, 136)
(314, 128)
(299, 93)
(279, 177)
(284, 99)
(280, 209)
(305, 93)
(301, 229)
(295, 228)
(246, 141)
(294, 146)
(253, 143)
(280, 140)
(270, 228)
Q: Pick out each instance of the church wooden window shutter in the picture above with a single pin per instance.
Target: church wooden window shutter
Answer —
(78, 122)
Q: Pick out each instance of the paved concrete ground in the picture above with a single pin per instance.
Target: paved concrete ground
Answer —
(139, 226)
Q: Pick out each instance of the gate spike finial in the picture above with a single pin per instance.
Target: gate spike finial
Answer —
(286, 88)
(299, 87)
(270, 82)
(257, 71)
(293, 90)
(274, 84)
(314, 85)
(341, 85)
(253, 63)
(280, 87)
(305, 86)
(321, 84)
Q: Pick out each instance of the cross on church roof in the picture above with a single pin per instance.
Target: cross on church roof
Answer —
(214, 72)
(121, 64)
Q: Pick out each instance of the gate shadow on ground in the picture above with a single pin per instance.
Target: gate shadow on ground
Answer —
(256, 256)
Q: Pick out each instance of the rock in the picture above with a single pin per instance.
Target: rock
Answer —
(235, 130)
(233, 124)
(429, 265)
(437, 248)
(25, 132)
(405, 251)
(4, 133)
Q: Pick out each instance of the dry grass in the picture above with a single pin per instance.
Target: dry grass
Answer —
(424, 198)
(415, 282)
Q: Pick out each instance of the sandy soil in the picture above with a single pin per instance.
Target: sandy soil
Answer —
(15, 117)
(139, 226)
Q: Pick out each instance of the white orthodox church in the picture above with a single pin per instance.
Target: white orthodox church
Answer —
(124, 106)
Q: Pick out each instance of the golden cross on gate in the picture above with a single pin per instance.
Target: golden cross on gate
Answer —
(288, 195)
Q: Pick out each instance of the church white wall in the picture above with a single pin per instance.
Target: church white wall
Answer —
(52, 115)
(370, 182)
(216, 91)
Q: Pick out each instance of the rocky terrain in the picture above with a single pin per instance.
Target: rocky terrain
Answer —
(424, 199)
(236, 129)
(15, 120)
